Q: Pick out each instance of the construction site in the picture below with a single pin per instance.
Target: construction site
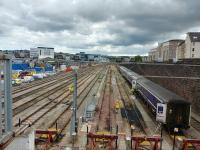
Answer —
(88, 107)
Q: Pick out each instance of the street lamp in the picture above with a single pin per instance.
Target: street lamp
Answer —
(175, 131)
(87, 130)
(73, 140)
(74, 121)
(132, 129)
(161, 134)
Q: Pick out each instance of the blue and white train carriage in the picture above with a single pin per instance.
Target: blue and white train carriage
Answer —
(178, 109)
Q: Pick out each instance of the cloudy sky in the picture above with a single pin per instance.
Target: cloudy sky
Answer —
(112, 27)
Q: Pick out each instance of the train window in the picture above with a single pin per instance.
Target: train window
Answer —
(160, 109)
(133, 84)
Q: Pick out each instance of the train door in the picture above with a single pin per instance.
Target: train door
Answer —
(134, 84)
(180, 115)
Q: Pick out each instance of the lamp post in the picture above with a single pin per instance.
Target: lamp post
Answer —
(175, 131)
(87, 130)
(74, 123)
(161, 133)
(132, 129)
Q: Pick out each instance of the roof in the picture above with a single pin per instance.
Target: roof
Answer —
(153, 49)
(194, 36)
(46, 47)
(160, 92)
(4, 57)
(183, 42)
(174, 40)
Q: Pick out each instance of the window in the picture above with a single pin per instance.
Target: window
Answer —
(193, 49)
(195, 37)
(40, 52)
(192, 55)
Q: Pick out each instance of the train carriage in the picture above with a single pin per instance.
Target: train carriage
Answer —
(178, 109)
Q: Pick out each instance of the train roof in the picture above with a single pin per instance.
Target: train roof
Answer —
(131, 73)
(165, 95)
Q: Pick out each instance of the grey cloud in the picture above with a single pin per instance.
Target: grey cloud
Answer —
(118, 24)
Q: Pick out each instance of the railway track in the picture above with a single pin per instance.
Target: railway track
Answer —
(195, 123)
(25, 86)
(38, 88)
(39, 116)
(41, 85)
(56, 99)
(65, 117)
(40, 112)
(81, 97)
(28, 101)
(104, 118)
(129, 110)
(62, 118)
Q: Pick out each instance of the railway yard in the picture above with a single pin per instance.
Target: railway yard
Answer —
(109, 114)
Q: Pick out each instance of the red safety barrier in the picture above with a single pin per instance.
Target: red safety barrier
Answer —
(49, 135)
(68, 69)
(154, 140)
(94, 137)
(194, 142)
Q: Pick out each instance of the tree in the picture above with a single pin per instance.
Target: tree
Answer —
(132, 59)
(138, 58)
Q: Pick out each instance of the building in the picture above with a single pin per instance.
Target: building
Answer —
(160, 52)
(90, 57)
(42, 52)
(82, 56)
(153, 55)
(34, 53)
(63, 56)
(165, 51)
(168, 50)
(180, 51)
(145, 59)
(192, 45)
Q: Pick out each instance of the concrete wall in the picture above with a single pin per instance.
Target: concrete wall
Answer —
(189, 88)
(23, 142)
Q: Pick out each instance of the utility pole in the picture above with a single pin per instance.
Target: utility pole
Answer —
(161, 135)
(176, 130)
(74, 123)
(6, 125)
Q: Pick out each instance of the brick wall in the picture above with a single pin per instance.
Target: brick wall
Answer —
(187, 88)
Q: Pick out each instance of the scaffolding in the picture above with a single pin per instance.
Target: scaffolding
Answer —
(5, 97)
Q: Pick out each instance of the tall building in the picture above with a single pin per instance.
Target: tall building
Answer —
(168, 49)
(153, 55)
(180, 51)
(42, 52)
(165, 51)
(192, 45)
